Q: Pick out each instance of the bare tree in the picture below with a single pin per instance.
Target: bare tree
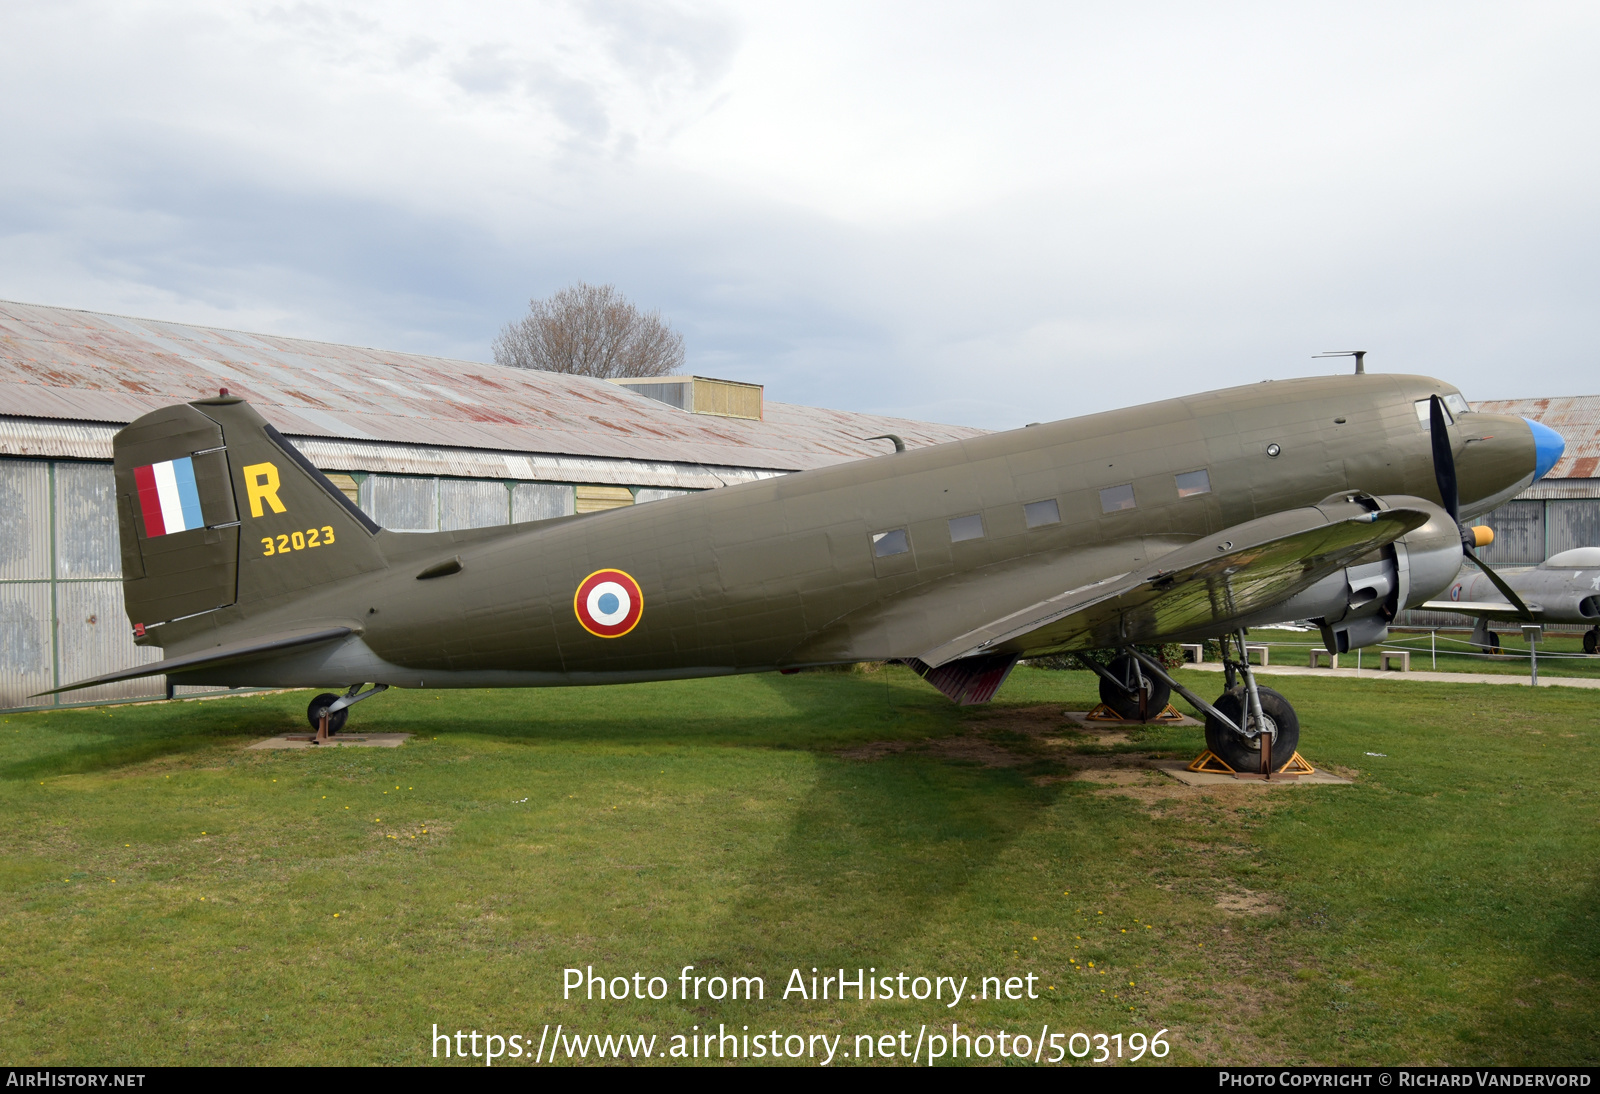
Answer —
(590, 330)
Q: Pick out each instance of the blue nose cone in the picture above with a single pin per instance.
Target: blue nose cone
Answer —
(1547, 446)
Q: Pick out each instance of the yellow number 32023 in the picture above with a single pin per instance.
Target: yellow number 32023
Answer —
(297, 541)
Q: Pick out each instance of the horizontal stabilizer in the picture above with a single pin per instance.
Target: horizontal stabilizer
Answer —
(217, 655)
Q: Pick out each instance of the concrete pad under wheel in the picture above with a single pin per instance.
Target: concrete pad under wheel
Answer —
(1081, 718)
(352, 740)
(1179, 769)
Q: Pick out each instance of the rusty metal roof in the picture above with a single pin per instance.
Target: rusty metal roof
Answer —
(81, 366)
(1575, 417)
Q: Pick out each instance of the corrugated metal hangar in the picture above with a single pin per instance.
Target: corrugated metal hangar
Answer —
(420, 443)
(1561, 510)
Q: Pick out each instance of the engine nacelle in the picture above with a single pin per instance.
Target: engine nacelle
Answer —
(1354, 606)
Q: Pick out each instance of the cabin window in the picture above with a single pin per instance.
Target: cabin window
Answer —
(1425, 415)
(1040, 513)
(1115, 498)
(885, 544)
(964, 528)
(1191, 483)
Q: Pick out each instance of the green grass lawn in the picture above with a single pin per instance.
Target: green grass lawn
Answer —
(168, 897)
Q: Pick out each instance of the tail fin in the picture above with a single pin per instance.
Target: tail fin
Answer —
(216, 509)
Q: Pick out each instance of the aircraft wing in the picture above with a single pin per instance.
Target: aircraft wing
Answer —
(1488, 609)
(1230, 575)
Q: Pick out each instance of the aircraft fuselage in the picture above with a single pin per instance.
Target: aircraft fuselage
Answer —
(794, 571)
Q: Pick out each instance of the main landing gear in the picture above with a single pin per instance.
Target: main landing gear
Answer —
(1591, 640)
(1482, 637)
(329, 712)
(1250, 728)
(1134, 695)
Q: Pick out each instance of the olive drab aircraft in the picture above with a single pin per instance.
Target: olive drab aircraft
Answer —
(1339, 499)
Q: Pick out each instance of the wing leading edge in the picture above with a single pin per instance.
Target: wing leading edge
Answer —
(1230, 575)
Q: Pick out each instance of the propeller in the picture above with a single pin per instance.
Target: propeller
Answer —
(1444, 473)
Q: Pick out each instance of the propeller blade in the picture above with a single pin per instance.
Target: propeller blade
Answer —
(1500, 583)
(1444, 461)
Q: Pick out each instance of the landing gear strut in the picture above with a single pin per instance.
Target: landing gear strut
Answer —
(1252, 729)
(329, 712)
(1135, 695)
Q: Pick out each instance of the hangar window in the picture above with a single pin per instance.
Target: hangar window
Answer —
(1115, 498)
(1040, 513)
(885, 544)
(1191, 483)
(970, 527)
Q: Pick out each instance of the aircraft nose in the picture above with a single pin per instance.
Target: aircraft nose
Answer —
(1548, 445)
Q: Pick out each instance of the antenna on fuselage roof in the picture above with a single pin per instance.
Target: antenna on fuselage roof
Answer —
(1359, 354)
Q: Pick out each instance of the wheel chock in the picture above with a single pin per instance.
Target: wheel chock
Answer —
(1297, 765)
(1209, 763)
(1103, 713)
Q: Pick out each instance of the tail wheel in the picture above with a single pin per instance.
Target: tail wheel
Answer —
(1126, 703)
(320, 704)
(1591, 640)
(1244, 753)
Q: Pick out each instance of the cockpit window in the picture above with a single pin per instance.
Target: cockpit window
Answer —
(1424, 414)
(1457, 405)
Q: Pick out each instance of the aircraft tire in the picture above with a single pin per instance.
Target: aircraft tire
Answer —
(1494, 641)
(1591, 640)
(318, 705)
(1125, 703)
(1245, 755)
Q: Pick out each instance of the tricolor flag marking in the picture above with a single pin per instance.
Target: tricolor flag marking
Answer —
(168, 497)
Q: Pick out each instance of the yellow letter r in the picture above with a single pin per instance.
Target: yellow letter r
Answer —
(261, 482)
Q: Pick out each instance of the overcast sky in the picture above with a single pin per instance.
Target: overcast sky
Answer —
(984, 213)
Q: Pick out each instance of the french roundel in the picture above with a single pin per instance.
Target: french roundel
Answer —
(608, 603)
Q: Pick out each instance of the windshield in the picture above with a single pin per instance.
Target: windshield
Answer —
(1454, 406)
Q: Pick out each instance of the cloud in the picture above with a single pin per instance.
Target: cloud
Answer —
(981, 214)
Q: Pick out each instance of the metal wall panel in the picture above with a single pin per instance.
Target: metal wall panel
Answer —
(467, 504)
(542, 501)
(26, 658)
(1572, 524)
(94, 636)
(86, 521)
(25, 529)
(1562, 488)
(596, 499)
(651, 493)
(42, 437)
(1518, 534)
(404, 504)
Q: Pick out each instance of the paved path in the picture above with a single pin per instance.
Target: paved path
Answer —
(1424, 677)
